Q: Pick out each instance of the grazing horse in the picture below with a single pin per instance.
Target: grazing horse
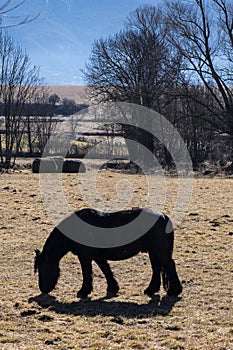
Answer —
(157, 241)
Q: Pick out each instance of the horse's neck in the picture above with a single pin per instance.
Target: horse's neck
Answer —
(56, 245)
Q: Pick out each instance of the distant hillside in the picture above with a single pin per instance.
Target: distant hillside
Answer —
(76, 93)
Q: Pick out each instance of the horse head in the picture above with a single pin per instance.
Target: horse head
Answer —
(48, 271)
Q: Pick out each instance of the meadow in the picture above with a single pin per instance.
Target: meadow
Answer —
(200, 319)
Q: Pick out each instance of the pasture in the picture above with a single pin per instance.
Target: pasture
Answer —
(200, 319)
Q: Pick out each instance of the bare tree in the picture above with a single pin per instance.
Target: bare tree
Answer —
(203, 33)
(54, 99)
(19, 81)
(43, 129)
(6, 9)
(191, 122)
(37, 106)
(135, 65)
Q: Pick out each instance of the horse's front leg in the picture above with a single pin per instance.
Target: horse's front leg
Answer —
(86, 266)
(113, 287)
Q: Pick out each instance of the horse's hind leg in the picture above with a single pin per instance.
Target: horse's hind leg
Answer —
(170, 278)
(113, 287)
(155, 282)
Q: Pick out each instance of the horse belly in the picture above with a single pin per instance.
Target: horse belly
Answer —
(120, 253)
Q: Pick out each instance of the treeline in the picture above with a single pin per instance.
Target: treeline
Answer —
(40, 121)
(27, 133)
(176, 59)
(42, 109)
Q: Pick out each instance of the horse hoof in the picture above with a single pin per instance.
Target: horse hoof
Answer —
(82, 295)
(113, 290)
(172, 293)
(110, 295)
(175, 291)
(150, 293)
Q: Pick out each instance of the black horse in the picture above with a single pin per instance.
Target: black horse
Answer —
(157, 241)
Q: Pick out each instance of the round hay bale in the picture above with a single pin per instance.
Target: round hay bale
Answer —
(229, 169)
(47, 165)
(73, 166)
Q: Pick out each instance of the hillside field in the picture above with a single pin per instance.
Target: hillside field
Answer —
(200, 319)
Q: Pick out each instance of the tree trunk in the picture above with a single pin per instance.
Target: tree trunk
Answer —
(29, 135)
(135, 139)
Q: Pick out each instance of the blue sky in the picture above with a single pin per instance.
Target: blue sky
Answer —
(60, 39)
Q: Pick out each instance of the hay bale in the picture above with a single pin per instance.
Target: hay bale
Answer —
(73, 166)
(57, 165)
(47, 165)
(229, 169)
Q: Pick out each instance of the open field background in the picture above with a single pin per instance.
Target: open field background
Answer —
(200, 319)
(76, 93)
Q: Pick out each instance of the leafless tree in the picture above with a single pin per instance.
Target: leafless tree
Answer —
(19, 81)
(43, 129)
(195, 130)
(7, 8)
(203, 34)
(135, 65)
(54, 99)
(36, 107)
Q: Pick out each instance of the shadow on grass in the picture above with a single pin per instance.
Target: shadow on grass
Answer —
(106, 307)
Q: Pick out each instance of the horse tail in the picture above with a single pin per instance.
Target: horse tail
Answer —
(170, 246)
(170, 278)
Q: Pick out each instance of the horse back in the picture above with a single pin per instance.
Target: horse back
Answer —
(149, 239)
(153, 238)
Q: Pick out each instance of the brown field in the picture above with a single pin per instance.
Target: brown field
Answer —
(200, 319)
(76, 93)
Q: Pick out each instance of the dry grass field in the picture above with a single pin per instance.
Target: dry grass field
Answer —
(201, 318)
(76, 93)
